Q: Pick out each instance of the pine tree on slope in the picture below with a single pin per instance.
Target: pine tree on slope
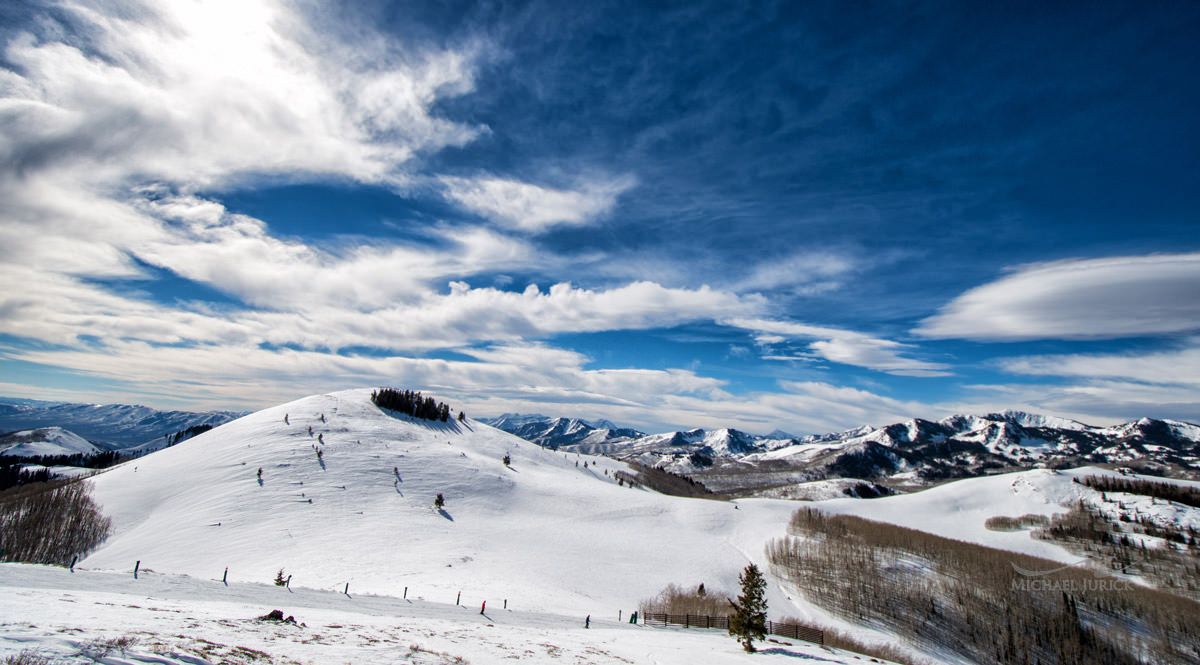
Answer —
(749, 620)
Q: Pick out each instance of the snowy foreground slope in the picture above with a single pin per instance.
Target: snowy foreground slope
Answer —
(556, 539)
(179, 620)
(547, 534)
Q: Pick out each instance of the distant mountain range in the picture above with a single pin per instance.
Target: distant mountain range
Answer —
(560, 432)
(45, 441)
(106, 426)
(912, 453)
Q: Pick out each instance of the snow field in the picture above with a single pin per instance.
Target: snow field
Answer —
(179, 620)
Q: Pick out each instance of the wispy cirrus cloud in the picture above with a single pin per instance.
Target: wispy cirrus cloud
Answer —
(1124, 296)
(528, 207)
(842, 346)
(1178, 366)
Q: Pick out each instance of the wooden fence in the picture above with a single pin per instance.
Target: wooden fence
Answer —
(792, 630)
(685, 620)
(796, 632)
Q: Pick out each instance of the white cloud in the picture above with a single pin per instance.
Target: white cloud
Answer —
(528, 207)
(1174, 366)
(238, 255)
(513, 377)
(186, 95)
(111, 122)
(1079, 299)
(841, 346)
(195, 92)
(803, 273)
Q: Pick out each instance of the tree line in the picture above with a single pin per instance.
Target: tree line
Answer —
(1188, 496)
(410, 403)
(14, 471)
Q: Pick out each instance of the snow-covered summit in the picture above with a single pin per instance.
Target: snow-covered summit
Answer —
(562, 432)
(554, 531)
(48, 441)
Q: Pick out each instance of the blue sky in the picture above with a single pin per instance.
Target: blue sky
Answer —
(804, 216)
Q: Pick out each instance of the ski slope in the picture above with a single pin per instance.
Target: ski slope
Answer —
(545, 535)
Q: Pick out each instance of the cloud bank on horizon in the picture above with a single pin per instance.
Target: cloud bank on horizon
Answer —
(793, 218)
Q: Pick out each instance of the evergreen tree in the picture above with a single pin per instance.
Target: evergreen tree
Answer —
(439, 502)
(749, 619)
(280, 580)
(507, 459)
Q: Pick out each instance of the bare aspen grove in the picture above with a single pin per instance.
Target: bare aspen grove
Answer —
(50, 523)
(982, 604)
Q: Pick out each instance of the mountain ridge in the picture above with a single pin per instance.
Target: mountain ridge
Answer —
(108, 426)
(914, 451)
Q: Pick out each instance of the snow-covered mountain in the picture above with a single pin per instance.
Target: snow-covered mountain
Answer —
(345, 494)
(109, 426)
(911, 453)
(919, 452)
(45, 441)
(555, 531)
(561, 432)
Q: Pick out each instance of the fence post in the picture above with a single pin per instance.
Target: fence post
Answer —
(506, 603)
(459, 598)
(135, 568)
(406, 593)
(619, 616)
(347, 589)
(225, 577)
(73, 563)
(288, 584)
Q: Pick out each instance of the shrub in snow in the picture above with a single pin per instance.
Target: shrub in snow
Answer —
(439, 501)
(28, 657)
(280, 580)
(675, 599)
